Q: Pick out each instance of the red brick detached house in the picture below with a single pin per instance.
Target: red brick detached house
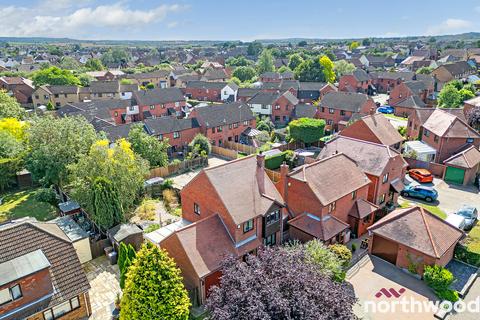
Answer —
(278, 106)
(42, 278)
(420, 115)
(413, 236)
(337, 108)
(159, 102)
(21, 88)
(225, 122)
(359, 81)
(383, 165)
(235, 208)
(374, 128)
(448, 134)
(322, 199)
(385, 81)
(421, 88)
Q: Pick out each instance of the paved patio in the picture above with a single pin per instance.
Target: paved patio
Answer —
(181, 180)
(104, 280)
(373, 277)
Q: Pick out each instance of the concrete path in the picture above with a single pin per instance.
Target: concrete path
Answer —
(472, 295)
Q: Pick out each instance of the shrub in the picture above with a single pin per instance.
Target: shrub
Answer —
(447, 294)
(437, 277)
(167, 184)
(354, 247)
(47, 195)
(307, 130)
(463, 254)
(152, 228)
(342, 252)
(275, 161)
(169, 199)
(202, 142)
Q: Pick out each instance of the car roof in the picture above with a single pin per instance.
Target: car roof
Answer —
(424, 188)
(466, 207)
(422, 171)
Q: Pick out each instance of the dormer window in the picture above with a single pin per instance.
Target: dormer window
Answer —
(10, 294)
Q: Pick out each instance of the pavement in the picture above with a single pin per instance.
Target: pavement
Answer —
(451, 197)
(381, 98)
(181, 180)
(373, 283)
(104, 282)
(471, 296)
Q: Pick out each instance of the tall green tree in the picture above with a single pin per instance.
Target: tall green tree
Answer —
(117, 163)
(154, 288)
(54, 76)
(343, 67)
(353, 45)
(328, 71)
(9, 107)
(265, 62)
(126, 257)
(69, 63)
(254, 48)
(56, 143)
(310, 70)
(294, 61)
(244, 73)
(107, 208)
(94, 64)
(148, 147)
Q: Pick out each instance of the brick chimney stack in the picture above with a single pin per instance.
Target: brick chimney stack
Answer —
(261, 172)
(282, 184)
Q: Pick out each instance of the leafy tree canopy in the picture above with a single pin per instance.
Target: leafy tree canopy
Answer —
(343, 67)
(244, 73)
(294, 61)
(293, 289)
(328, 71)
(54, 76)
(9, 107)
(148, 147)
(94, 64)
(265, 62)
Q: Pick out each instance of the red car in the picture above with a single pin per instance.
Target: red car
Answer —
(421, 175)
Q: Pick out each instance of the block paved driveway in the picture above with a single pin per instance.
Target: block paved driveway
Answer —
(375, 275)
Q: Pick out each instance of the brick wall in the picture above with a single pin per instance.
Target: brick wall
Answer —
(82, 312)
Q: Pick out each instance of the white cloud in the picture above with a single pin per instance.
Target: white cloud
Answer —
(172, 24)
(79, 22)
(450, 26)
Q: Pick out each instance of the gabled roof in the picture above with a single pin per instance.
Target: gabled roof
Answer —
(371, 157)
(304, 111)
(418, 229)
(393, 75)
(244, 188)
(118, 132)
(224, 114)
(445, 124)
(158, 96)
(468, 158)
(457, 68)
(361, 75)
(417, 86)
(269, 98)
(312, 86)
(19, 238)
(425, 113)
(215, 74)
(380, 127)
(101, 87)
(411, 102)
(206, 85)
(344, 101)
(332, 177)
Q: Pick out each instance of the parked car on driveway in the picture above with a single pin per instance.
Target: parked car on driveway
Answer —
(470, 214)
(421, 175)
(420, 192)
(386, 109)
(456, 221)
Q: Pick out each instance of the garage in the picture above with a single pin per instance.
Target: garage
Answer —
(385, 249)
(454, 175)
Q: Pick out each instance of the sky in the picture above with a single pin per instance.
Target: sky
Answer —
(244, 20)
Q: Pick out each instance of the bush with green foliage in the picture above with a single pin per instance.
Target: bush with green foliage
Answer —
(326, 260)
(151, 228)
(463, 254)
(274, 162)
(307, 130)
(8, 169)
(126, 256)
(148, 147)
(202, 145)
(47, 195)
(9, 107)
(154, 288)
(342, 252)
(439, 279)
(244, 73)
(54, 76)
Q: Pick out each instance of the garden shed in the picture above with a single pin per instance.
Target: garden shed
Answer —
(128, 233)
(424, 151)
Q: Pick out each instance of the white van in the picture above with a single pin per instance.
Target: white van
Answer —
(456, 221)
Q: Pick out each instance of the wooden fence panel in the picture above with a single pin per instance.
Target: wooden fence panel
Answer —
(223, 152)
(240, 147)
(177, 168)
(273, 175)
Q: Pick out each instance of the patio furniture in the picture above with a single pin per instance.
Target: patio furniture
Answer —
(364, 244)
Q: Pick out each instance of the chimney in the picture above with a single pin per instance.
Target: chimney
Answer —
(261, 160)
(282, 183)
(260, 172)
(372, 111)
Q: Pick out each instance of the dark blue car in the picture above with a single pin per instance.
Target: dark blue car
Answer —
(420, 192)
(386, 109)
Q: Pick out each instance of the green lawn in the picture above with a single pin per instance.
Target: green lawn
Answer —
(433, 209)
(395, 117)
(473, 239)
(18, 204)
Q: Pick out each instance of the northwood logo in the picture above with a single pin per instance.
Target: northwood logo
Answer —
(389, 293)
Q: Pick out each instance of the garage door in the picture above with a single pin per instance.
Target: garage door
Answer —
(454, 175)
(385, 249)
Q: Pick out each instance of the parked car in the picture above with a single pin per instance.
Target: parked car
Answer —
(470, 214)
(420, 192)
(456, 221)
(386, 109)
(421, 175)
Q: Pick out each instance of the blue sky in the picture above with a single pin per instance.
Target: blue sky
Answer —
(235, 20)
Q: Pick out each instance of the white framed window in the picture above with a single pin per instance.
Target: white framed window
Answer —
(332, 206)
(385, 178)
(152, 107)
(176, 135)
(196, 208)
